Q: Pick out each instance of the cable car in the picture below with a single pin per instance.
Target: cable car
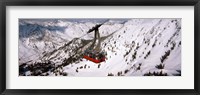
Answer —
(94, 53)
(96, 57)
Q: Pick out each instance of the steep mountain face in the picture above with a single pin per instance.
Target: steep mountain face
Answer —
(144, 48)
(138, 47)
(36, 38)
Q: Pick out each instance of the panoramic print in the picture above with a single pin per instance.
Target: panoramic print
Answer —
(100, 47)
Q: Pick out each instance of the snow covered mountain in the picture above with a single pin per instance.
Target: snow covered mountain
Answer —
(138, 47)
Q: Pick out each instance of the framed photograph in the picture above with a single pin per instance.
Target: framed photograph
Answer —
(99, 47)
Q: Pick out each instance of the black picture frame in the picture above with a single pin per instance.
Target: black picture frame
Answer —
(4, 3)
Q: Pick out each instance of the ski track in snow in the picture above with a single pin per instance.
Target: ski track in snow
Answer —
(137, 47)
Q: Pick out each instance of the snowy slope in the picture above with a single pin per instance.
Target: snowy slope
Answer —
(138, 47)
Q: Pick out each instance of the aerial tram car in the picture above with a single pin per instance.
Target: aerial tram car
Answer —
(94, 53)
